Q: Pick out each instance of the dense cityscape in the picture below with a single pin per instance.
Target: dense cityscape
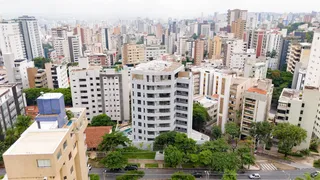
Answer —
(226, 95)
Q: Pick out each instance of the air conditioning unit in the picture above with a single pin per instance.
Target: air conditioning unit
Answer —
(45, 178)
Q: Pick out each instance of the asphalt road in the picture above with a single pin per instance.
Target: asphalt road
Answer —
(161, 174)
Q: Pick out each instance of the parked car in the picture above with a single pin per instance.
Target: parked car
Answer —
(89, 167)
(197, 174)
(314, 174)
(131, 167)
(254, 176)
(116, 170)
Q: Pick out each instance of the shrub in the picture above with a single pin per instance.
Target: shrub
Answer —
(305, 152)
(316, 163)
(295, 154)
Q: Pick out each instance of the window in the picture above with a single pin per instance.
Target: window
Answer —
(70, 155)
(44, 163)
(59, 155)
(65, 145)
(71, 170)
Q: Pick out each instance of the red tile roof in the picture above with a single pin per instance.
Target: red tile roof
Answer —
(95, 134)
(257, 90)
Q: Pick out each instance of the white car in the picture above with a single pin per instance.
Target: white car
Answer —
(254, 176)
(89, 167)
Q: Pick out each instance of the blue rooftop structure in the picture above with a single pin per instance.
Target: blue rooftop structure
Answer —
(52, 108)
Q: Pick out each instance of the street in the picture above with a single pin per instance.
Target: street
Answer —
(166, 174)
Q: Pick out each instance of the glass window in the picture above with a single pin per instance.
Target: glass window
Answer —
(44, 163)
(65, 145)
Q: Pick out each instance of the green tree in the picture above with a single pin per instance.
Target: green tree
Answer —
(69, 114)
(33, 93)
(289, 136)
(309, 36)
(222, 161)
(232, 129)
(205, 157)
(164, 140)
(94, 177)
(219, 145)
(115, 160)
(22, 123)
(200, 117)
(102, 120)
(314, 144)
(261, 131)
(112, 140)
(66, 95)
(172, 156)
(245, 155)
(307, 176)
(11, 136)
(182, 176)
(131, 175)
(229, 175)
(39, 62)
(216, 132)
(3, 148)
(194, 36)
(183, 143)
(194, 159)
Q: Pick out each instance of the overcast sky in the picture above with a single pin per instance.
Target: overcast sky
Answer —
(114, 9)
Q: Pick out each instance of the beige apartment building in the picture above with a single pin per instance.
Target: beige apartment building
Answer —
(214, 47)
(298, 53)
(52, 148)
(37, 78)
(198, 52)
(238, 28)
(133, 53)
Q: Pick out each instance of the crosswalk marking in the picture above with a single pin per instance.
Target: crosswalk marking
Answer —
(267, 167)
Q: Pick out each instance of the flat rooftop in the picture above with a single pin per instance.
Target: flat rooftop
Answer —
(288, 94)
(206, 101)
(158, 65)
(257, 90)
(239, 80)
(37, 142)
(50, 96)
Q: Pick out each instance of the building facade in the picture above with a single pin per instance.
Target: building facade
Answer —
(133, 54)
(313, 70)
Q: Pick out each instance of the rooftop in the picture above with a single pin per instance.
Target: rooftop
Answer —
(37, 142)
(50, 96)
(257, 90)
(158, 65)
(206, 101)
(288, 94)
(94, 135)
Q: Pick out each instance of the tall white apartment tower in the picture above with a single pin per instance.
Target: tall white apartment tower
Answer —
(313, 70)
(10, 40)
(162, 99)
(75, 48)
(29, 29)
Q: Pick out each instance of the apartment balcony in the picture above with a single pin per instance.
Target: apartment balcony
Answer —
(250, 102)
(182, 109)
(185, 94)
(182, 101)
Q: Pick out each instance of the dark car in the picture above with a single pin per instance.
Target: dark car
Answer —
(131, 167)
(116, 170)
(197, 174)
(314, 174)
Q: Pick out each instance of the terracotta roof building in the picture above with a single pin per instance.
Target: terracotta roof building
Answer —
(94, 135)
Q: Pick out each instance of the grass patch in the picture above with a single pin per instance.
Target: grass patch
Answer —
(151, 165)
(187, 165)
(139, 155)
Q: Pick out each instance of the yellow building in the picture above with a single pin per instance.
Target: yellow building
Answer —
(238, 27)
(214, 47)
(298, 53)
(133, 53)
(37, 78)
(48, 149)
(198, 52)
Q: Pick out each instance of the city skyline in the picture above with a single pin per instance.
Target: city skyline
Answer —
(112, 9)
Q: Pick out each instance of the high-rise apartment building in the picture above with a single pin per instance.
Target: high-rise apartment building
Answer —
(11, 106)
(59, 32)
(61, 46)
(313, 70)
(256, 104)
(214, 47)
(284, 47)
(10, 40)
(52, 147)
(75, 48)
(161, 98)
(257, 41)
(233, 50)
(238, 28)
(198, 52)
(37, 78)
(133, 53)
(100, 90)
(17, 70)
(79, 31)
(298, 53)
(105, 38)
(57, 75)
(29, 29)
(235, 14)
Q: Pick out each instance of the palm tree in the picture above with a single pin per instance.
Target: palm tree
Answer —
(69, 114)
(22, 123)
(11, 136)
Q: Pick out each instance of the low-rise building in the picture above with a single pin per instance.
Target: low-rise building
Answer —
(154, 52)
(37, 78)
(52, 147)
(256, 68)
(211, 105)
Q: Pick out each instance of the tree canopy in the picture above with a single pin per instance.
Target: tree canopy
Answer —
(229, 175)
(102, 120)
(232, 129)
(94, 177)
(280, 80)
(22, 123)
(173, 156)
(164, 140)
(289, 135)
(261, 131)
(33, 93)
(131, 175)
(200, 117)
(112, 140)
(39, 62)
(216, 132)
(69, 114)
(115, 160)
